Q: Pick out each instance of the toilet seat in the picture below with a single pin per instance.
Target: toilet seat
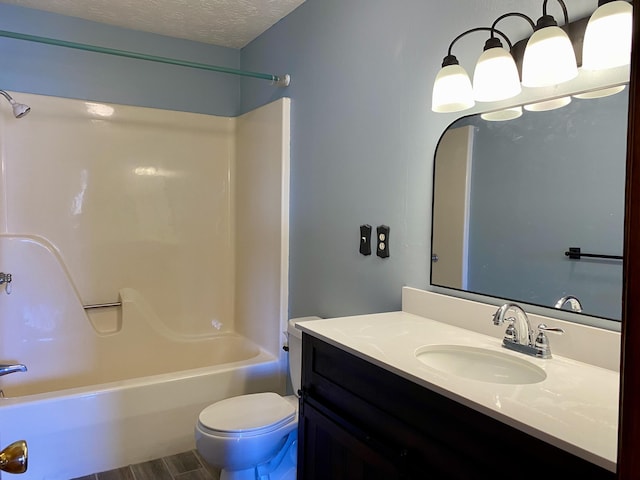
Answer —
(247, 415)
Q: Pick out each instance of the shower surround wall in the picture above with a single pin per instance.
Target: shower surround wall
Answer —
(108, 203)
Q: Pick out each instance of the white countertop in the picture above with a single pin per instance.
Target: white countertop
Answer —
(575, 408)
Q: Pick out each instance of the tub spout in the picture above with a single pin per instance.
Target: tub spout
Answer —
(7, 369)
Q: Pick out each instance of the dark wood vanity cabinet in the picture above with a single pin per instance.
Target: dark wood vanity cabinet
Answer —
(360, 421)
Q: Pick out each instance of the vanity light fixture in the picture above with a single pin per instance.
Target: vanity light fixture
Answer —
(549, 58)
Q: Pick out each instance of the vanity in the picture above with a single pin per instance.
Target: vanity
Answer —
(429, 392)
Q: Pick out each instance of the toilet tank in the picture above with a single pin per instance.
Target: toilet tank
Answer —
(295, 352)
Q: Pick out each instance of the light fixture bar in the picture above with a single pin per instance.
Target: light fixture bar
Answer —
(565, 12)
(480, 29)
(277, 80)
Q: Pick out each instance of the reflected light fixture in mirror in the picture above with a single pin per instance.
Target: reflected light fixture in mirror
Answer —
(548, 105)
(603, 92)
(549, 58)
(502, 115)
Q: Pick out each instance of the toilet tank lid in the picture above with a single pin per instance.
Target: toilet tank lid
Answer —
(291, 327)
(245, 413)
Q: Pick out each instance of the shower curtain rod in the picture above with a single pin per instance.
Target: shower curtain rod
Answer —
(277, 80)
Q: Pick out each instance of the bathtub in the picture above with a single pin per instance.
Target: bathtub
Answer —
(82, 430)
(110, 387)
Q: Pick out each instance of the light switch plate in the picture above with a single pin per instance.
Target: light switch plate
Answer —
(365, 239)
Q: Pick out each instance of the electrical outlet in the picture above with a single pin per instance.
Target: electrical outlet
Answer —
(382, 241)
(365, 239)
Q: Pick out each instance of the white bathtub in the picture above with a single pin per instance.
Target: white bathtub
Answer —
(111, 388)
(78, 431)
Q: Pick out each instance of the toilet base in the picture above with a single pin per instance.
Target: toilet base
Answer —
(249, 474)
(281, 467)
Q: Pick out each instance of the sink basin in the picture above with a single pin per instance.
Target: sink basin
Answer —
(480, 364)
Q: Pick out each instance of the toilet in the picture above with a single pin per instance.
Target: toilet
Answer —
(254, 437)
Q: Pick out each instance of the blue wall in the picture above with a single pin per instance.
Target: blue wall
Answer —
(50, 70)
(364, 136)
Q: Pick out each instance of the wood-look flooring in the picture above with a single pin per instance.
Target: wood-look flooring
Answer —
(183, 466)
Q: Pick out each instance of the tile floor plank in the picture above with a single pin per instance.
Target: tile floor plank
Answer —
(123, 473)
(182, 463)
(152, 470)
(182, 466)
(195, 475)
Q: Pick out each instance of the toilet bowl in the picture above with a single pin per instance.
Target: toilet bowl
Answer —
(254, 437)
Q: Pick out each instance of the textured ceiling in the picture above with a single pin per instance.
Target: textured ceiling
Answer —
(228, 23)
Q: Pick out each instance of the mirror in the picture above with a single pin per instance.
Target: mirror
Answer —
(511, 197)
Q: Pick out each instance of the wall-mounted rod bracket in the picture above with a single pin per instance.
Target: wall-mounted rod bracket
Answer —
(277, 80)
(575, 253)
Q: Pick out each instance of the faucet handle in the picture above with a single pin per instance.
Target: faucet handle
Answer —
(543, 328)
(542, 342)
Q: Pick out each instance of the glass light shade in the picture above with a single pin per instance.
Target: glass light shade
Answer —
(452, 91)
(603, 92)
(607, 39)
(548, 105)
(502, 115)
(549, 59)
(495, 76)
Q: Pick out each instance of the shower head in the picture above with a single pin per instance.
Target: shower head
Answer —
(19, 109)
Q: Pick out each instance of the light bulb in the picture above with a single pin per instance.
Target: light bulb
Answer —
(452, 91)
(548, 59)
(495, 76)
(607, 39)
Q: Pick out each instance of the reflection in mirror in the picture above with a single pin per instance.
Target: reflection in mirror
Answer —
(511, 197)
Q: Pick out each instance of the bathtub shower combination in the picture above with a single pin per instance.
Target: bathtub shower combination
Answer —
(148, 258)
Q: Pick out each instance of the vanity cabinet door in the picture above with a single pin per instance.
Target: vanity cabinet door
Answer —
(329, 448)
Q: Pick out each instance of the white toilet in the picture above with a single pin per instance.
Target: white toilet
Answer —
(254, 437)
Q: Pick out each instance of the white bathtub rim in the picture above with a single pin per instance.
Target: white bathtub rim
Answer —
(263, 357)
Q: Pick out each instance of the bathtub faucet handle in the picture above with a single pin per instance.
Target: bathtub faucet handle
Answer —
(6, 279)
(7, 369)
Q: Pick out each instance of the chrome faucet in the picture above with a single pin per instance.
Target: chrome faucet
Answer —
(519, 330)
(574, 303)
(7, 369)
(5, 278)
(519, 336)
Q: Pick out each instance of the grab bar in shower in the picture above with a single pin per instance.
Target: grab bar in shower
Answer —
(102, 305)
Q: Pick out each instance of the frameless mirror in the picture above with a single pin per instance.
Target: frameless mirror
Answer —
(511, 198)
